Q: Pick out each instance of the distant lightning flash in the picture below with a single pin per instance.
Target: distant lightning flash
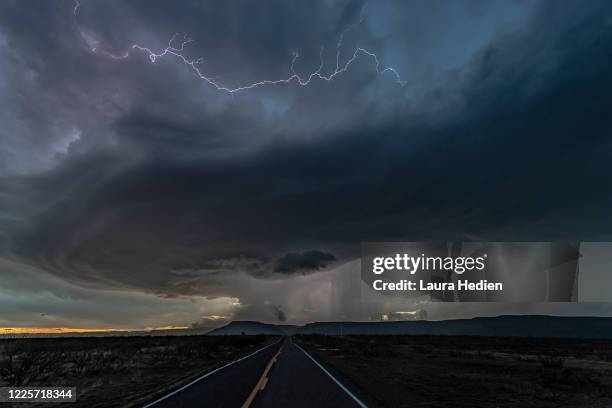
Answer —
(176, 48)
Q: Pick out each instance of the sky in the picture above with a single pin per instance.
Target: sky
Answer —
(141, 191)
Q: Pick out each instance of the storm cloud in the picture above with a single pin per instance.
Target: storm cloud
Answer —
(125, 175)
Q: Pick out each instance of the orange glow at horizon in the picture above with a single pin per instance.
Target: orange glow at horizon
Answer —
(66, 330)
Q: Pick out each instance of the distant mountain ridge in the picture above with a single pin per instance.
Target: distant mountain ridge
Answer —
(252, 328)
(511, 325)
(520, 326)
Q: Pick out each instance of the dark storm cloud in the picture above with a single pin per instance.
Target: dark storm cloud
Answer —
(189, 276)
(138, 175)
(302, 262)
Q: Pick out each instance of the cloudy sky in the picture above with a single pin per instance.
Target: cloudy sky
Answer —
(135, 193)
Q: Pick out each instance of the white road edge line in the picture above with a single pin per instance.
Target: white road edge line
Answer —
(361, 404)
(208, 374)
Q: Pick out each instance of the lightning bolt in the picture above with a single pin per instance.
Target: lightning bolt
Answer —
(179, 41)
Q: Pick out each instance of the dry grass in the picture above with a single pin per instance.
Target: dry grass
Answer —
(450, 371)
(116, 371)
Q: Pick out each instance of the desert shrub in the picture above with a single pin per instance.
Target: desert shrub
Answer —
(551, 362)
(21, 363)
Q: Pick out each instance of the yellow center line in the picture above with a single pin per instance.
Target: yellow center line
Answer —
(263, 380)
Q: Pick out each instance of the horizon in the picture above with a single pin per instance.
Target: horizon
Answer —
(6, 331)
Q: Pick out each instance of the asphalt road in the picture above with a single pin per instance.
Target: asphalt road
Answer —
(281, 375)
(297, 381)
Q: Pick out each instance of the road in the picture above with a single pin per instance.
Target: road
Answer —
(280, 375)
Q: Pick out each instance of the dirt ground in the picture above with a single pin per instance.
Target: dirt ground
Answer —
(458, 372)
(116, 371)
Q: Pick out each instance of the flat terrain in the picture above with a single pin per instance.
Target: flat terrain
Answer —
(315, 371)
(453, 371)
(118, 371)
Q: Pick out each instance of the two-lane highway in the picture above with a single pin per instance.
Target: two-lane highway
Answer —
(226, 387)
(297, 380)
(279, 375)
